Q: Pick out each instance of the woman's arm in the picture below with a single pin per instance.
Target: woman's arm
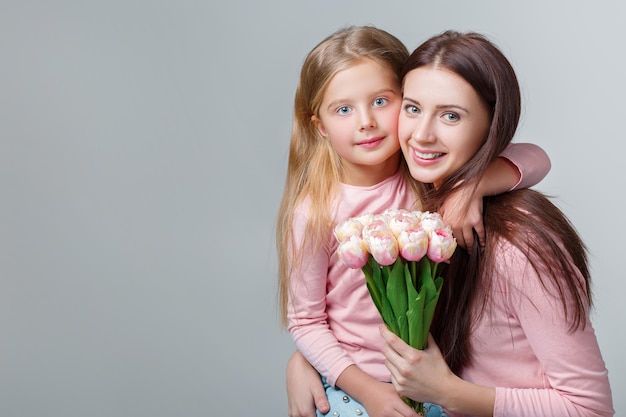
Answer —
(575, 375)
(521, 165)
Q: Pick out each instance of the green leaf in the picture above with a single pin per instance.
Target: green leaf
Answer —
(422, 303)
(384, 273)
(396, 294)
(411, 291)
(388, 314)
(431, 305)
(396, 288)
(377, 288)
(371, 286)
(377, 279)
(403, 327)
(415, 316)
(413, 272)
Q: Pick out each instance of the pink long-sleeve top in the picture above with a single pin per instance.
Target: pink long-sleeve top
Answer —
(331, 316)
(524, 341)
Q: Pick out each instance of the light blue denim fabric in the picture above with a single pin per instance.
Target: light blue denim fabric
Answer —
(433, 410)
(341, 404)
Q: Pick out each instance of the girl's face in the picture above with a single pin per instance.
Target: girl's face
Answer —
(359, 115)
(443, 123)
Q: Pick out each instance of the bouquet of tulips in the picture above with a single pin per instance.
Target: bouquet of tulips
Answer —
(399, 252)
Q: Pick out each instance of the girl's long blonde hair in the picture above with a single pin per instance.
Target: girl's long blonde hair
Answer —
(314, 169)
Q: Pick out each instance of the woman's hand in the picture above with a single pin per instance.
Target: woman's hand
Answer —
(305, 391)
(464, 218)
(424, 376)
(421, 375)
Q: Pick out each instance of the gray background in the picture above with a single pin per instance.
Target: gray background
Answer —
(143, 149)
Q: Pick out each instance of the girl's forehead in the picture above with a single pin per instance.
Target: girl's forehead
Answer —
(362, 75)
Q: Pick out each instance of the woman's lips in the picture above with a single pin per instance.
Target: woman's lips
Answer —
(426, 157)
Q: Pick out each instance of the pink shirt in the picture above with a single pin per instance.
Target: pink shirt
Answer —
(524, 342)
(332, 318)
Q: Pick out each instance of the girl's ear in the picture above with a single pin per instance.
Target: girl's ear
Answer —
(320, 127)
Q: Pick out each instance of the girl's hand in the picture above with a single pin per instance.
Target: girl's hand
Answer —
(305, 391)
(380, 399)
(386, 402)
(462, 220)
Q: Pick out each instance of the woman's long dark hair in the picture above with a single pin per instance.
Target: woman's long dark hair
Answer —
(524, 218)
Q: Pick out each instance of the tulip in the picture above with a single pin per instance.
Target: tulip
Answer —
(402, 220)
(383, 246)
(432, 221)
(347, 229)
(413, 244)
(442, 245)
(353, 252)
(365, 219)
(377, 224)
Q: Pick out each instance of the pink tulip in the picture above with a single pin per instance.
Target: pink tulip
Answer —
(383, 246)
(353, 252)
(377, 224)
(347, 229)
(442, 245)
(432, 221)
(413, 244)
(401, 220)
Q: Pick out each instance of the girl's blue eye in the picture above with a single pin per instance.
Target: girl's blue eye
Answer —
(343, 110)
(380, 101)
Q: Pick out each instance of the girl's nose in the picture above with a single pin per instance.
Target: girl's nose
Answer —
(367, 121)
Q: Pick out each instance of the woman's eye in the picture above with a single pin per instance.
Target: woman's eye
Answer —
(411, 109)
(343, 110)
(380, 101)
(451, 117)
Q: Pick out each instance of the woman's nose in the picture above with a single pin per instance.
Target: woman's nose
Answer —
(423, 132)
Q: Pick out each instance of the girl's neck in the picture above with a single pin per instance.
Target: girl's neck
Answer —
(365, 176)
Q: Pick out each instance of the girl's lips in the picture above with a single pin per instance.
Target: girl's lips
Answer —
(371, 143)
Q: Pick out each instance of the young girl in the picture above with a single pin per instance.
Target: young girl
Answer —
(527, 348)
(344, 161)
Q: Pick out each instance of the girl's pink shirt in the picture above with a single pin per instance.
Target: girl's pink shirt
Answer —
(331, 316)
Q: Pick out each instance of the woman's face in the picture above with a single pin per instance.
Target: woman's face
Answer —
(443, 122)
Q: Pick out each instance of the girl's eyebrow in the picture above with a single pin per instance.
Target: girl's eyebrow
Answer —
(383, 91)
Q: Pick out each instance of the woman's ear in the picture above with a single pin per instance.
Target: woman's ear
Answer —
(320, 127)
